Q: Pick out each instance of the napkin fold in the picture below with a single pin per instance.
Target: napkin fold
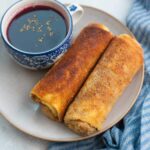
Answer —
(133, 132)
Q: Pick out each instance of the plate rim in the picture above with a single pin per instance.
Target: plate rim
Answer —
(106, 128)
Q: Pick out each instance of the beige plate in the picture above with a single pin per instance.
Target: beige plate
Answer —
(16, 83)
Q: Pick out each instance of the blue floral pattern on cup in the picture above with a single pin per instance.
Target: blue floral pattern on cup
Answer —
(39, 61)
(72, 8)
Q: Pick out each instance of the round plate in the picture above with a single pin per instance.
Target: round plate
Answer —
(16, 83)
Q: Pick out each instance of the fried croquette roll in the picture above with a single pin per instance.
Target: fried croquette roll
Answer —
(57, 88)
(112, 74)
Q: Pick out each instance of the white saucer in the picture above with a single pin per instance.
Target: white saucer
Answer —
(16, 83)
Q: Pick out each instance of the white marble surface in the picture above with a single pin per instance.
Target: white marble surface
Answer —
(10, 137)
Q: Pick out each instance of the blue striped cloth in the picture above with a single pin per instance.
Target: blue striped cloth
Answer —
(133, 132)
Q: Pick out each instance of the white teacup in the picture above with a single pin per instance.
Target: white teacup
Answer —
(40, 60)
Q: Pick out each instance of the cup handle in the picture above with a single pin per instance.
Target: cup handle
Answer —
(76, 12)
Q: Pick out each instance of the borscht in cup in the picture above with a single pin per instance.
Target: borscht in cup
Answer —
(37, 33)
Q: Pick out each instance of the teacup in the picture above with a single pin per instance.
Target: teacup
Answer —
(40, 60)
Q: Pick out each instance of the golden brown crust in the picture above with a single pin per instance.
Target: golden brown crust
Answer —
(49, 113)
(112, 74)
(80, 127)
(57, 89)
